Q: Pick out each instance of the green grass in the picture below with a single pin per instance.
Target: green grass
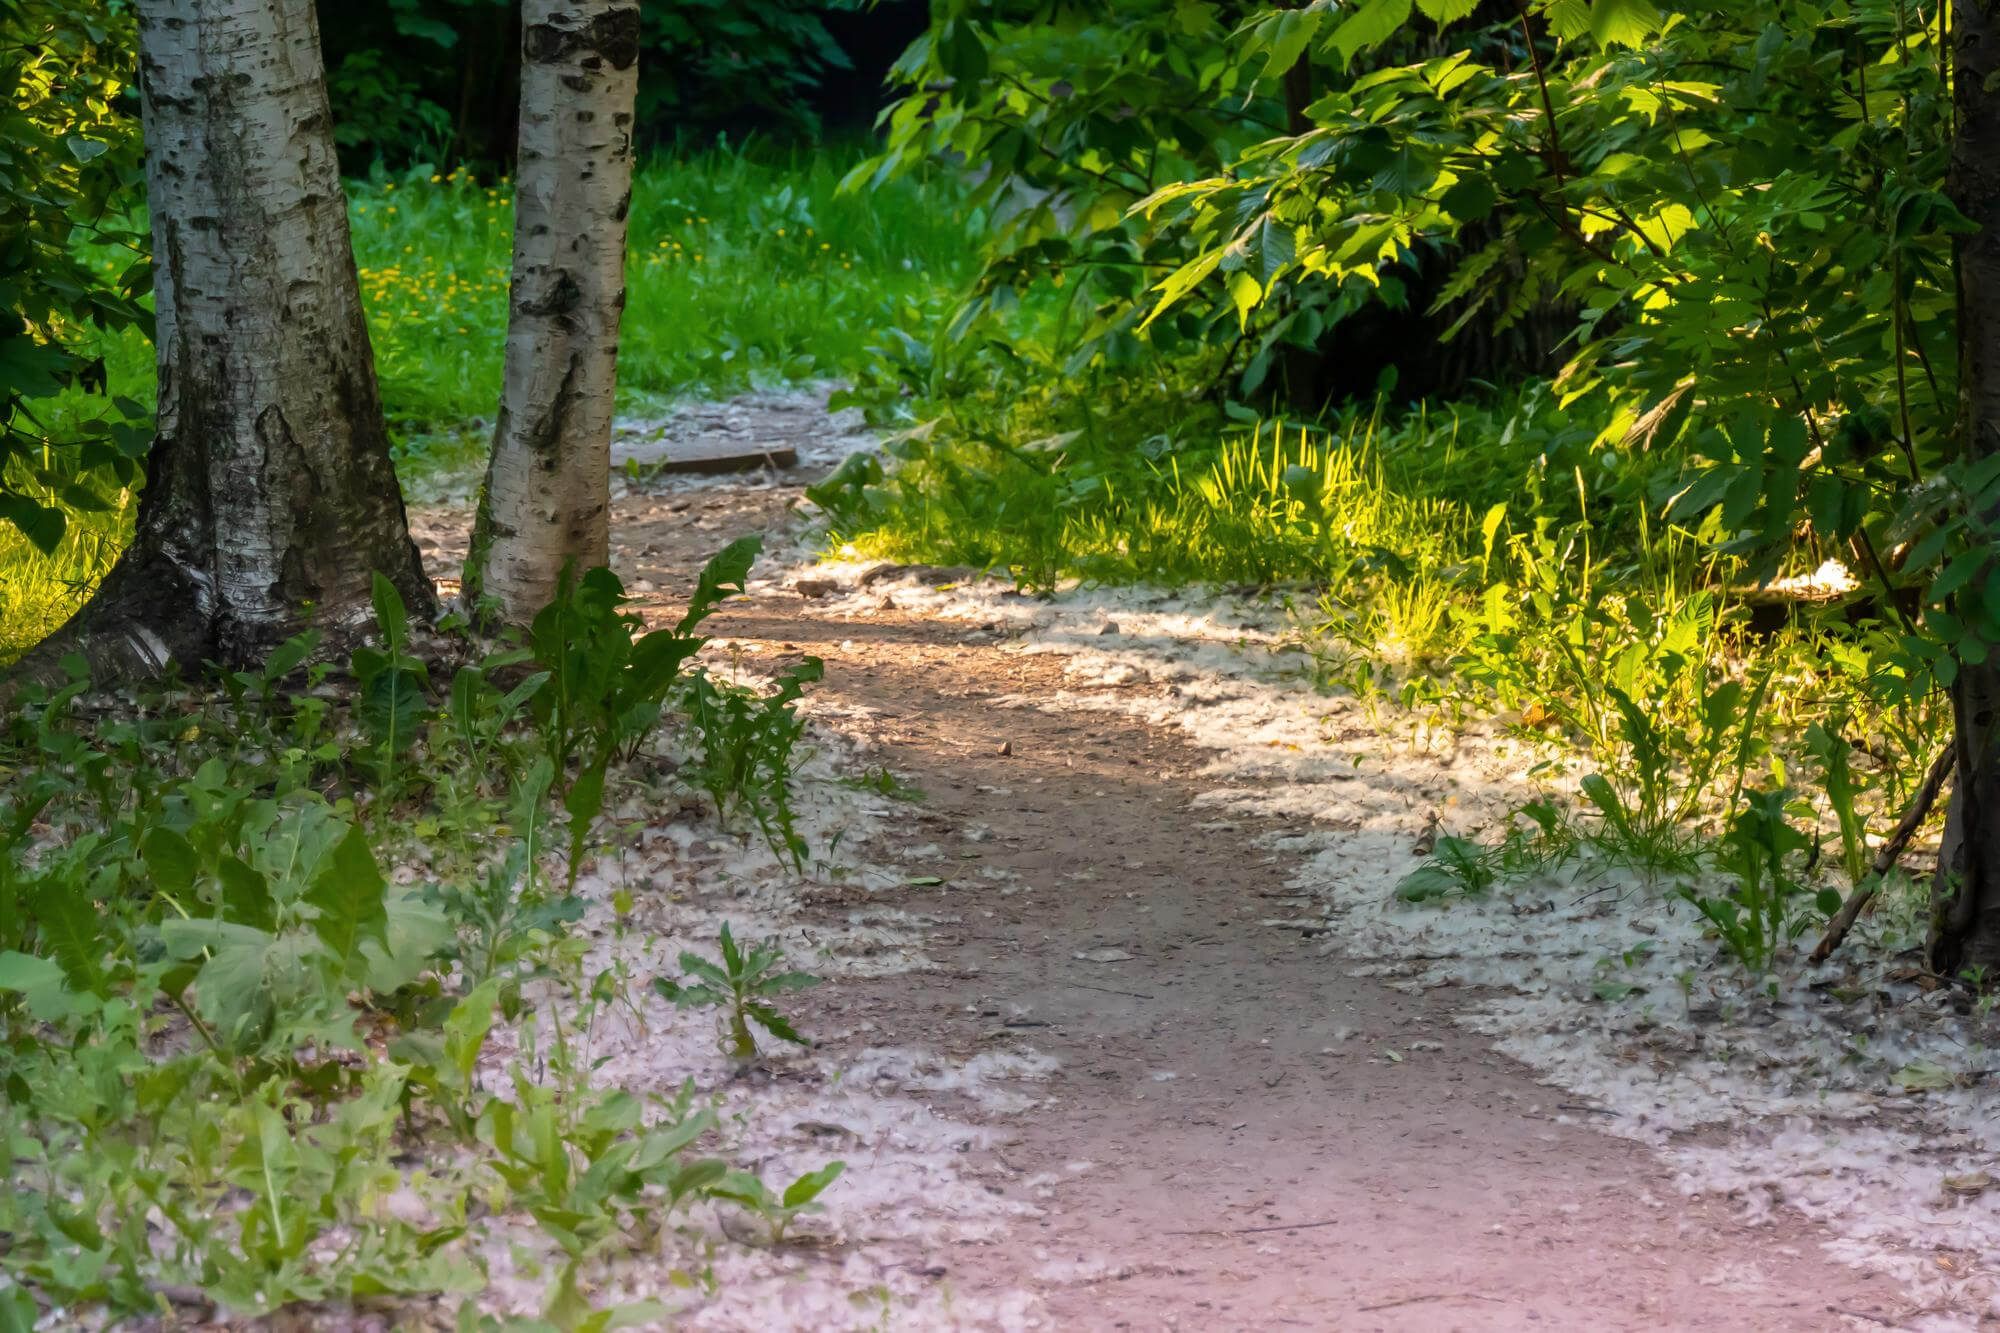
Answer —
(38, 592)
(1265, 504)
(744, 268)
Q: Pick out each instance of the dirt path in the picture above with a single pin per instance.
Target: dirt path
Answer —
(1240, 1135)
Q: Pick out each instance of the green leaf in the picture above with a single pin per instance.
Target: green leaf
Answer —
(1442, 12)
(1623, 22)
(390, 614)
(1470, 199)
(391, 707)
(41, 524)
(1244, 293)
(40, 984)
(721, 578)
(71, 928)
(812, 1184)
(349, 892)
(960, 52)
(1374, 23)
(246, 895)
(170, 860)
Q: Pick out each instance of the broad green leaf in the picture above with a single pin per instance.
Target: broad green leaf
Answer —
(1372, 24)
(1623, 22)
(1442, 12)
(349, 893)
(171, 861)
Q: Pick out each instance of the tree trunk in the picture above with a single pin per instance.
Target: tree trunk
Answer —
(1965, 897)
(270, 498)
(546, 500)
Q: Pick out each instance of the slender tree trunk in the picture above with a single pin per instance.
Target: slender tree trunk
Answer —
(1965, 898)
(546, 500)
(270, 499)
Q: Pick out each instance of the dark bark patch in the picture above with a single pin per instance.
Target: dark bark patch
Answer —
(616, 36)
(544, 437)
(562, 297)
(612, 36)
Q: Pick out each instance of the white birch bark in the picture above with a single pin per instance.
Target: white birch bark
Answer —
(270, 497)
(546, 500)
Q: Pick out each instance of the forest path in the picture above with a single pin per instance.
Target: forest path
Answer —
(1240, 1135)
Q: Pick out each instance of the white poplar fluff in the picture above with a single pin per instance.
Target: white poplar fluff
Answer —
(270, 498)
(546, 501)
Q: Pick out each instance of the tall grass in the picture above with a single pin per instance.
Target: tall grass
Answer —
(39, 592)
(1261, 506)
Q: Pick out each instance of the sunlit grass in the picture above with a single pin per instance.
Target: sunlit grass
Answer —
(39, 592)
(1262, 506)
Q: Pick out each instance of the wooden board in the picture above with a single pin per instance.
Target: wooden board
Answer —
(706, 455)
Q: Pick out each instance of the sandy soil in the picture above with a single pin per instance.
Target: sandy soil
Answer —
(1238, 1133)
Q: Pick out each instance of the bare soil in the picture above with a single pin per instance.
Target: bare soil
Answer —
(1241, 1135)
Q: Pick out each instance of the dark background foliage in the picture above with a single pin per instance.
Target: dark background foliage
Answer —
(436, 80)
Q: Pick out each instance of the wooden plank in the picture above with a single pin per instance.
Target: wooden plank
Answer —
(705, 455)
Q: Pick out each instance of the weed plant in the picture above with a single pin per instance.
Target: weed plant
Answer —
(225, 1023)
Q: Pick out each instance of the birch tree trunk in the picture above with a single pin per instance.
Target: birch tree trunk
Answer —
(270, 498)
(1965, 899)
(546, 500)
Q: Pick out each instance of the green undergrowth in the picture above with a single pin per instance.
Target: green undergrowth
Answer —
(256, 933)
(1479, 564)
(745, 266)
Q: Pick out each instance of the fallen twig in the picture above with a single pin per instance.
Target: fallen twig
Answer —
(1256, 1231)
(1136, 995)
(1890, 852)
(1434, 1296)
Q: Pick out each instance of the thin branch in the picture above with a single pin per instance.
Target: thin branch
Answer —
(1890, 853)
